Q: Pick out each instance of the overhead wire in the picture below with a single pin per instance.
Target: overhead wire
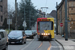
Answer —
(46, 5)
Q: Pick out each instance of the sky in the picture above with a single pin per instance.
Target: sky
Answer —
(51, 4)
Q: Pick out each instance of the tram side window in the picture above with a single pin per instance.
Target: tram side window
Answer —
(38, 26)
(52, 26)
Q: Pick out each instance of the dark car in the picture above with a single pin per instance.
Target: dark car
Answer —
(34, 32)
(29, 34)
(3, 40)
(17, 37)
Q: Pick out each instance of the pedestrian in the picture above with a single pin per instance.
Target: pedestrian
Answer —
(23, 33)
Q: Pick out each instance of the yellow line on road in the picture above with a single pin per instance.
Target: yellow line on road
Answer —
(39, 46)
(49, 46)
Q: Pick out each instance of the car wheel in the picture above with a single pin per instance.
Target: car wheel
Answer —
(32, 37)
(23, 42)
(6, 48)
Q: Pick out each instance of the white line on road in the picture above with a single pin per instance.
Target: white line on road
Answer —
(27, 45)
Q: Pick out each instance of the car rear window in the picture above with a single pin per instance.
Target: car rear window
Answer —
(15, 33)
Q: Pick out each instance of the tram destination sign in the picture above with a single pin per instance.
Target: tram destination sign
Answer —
(45, 19)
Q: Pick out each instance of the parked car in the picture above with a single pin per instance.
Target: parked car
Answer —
(3, 40)
(17, 36)
(34, 32)
(29, 34)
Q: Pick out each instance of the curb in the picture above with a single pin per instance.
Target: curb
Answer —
(60, 44)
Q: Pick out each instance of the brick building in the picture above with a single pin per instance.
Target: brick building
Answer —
(3, 11)
(70, 16)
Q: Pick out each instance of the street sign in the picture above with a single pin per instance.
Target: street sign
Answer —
(61, 24)
(9, 21)
(24, 24)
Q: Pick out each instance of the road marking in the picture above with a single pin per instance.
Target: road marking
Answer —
(59, 46)
(49, 46)
(40, 45)
(27, 45)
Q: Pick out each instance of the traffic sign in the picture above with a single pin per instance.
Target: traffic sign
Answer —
(61, 24)
(9, 21)
(24, 24)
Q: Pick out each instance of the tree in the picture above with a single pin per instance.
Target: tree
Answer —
(11, 15)
(30, 14)
(5, 26)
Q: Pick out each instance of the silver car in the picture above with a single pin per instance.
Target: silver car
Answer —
(34, 32)
(3, 40)
(29, 33)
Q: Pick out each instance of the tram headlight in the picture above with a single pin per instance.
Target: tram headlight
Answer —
(48, 33)
(42, 33)
(45, 33)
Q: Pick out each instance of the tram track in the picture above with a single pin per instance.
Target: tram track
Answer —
(49, 46)
(42, 44)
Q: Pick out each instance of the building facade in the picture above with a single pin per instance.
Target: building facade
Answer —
(3, 11)
(70, 16)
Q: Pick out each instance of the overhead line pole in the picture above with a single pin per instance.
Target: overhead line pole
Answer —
(9, 23)
(16, 14)
(56, 20)
(24, 12)
(24, 17)
(66, 22)
(29, 15)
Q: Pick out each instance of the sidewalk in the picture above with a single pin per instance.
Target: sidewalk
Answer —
(67, 45)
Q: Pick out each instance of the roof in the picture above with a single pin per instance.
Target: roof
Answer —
(53, 13)
(62, 2)
(58, 7)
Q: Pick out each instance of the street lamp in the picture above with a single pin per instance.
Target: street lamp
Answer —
(56, 20)
(16, 13)
(24, 2)
(29, 13)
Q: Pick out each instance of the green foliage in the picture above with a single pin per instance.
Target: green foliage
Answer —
(30, 14)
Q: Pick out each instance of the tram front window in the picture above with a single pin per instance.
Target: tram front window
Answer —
(45, 26)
